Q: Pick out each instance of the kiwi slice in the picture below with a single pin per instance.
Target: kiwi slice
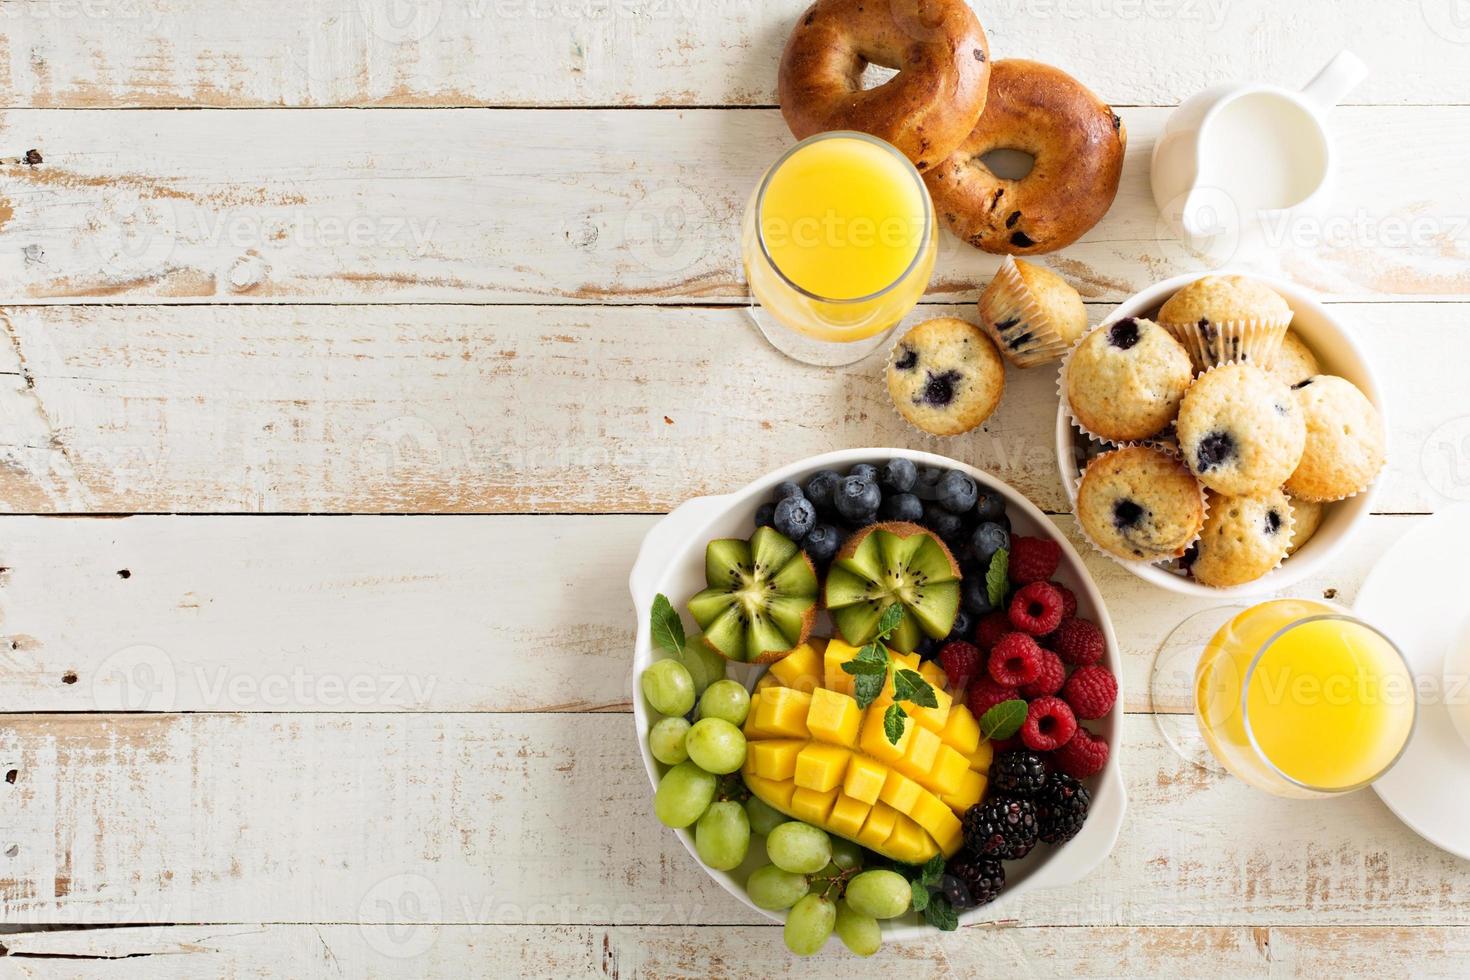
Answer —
(887, 563)
(761, 598)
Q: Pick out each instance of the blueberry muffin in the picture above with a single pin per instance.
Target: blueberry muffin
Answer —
(1124, 381)
(1306, 517)
(1243, 539)
(1241, 431)
(1294, 362)
(1345, 445)
(1139, 503)
(1220, 319)
(1031, 313)
(945, 376)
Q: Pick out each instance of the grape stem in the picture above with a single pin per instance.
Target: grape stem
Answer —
(840, 878)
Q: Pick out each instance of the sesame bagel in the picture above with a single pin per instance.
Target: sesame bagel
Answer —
(1077, 143)
(926, 110)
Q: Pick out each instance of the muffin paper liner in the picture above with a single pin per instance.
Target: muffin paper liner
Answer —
(1290, 528)
(1256, 340)
(1170, 564)
(1014, 320)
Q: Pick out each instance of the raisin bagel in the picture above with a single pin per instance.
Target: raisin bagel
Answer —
(1077, 143)
(926, 110)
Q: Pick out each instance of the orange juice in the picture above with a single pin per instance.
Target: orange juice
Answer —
(1299, 699)
(839, 238)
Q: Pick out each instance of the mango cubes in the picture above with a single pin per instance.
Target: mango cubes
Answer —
(816, 756)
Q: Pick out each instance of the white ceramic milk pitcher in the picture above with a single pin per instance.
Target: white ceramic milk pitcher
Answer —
(1236, 164)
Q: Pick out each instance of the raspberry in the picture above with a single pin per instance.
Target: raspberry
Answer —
(1079, 642)
(985, 694)
(1036, 609)
(1069, 600)
(1049, 681)
(1015, 660)
(960, 662)
(1049, 725)
(1091, 691)
(1033, 559)
(1083, 756)
(992, 628)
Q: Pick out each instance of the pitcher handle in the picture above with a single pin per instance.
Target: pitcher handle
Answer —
(1339, 77)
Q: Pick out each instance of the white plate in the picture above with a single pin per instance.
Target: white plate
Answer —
(671, 561)
(1416, 595)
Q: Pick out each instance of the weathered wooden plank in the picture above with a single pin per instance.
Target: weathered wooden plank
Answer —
(674, 52)
(308, 952)
(503, 819)
(531, 206)
(585, 409)
(293, 614)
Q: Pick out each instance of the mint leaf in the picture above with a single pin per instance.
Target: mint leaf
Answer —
(867, 687)
(1004, 719)
(921, 895)
(933, 870)
(909, 685)
(995, 576)
(890, 620)
(940, 914)
(666, 626)
(893, 722)
(869, 660)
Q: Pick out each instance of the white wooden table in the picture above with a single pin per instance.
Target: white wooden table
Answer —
(466, 270)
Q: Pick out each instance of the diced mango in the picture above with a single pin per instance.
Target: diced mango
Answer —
(768, 679)
(908, 660)
(812, 806)
(939, 821)
(908, 842)
(873, 740)
(780, 713)
(833, 717)
(920, 752)
(821, 767)
(981, 758)
(864, 779)
(934, 674)
(934, 718)
(773, 758)
(899, 791)
(776, 793)
(971, 791)
(878, 826)
(847, 816)
(948, 772)
(962, 731)
(834, 678)
(801, 669)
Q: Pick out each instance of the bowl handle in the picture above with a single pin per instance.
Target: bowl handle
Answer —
(1093, 842)
(663, 540)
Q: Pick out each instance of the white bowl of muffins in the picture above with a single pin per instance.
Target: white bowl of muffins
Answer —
(1220, 435)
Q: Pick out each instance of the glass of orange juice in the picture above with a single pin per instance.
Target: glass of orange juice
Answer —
(1300, 699)
(838, 243)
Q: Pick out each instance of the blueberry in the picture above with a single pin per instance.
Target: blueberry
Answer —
(1214, 450)
(956, 492)
(906, 360)
(865, 470)
(819, 487)
(1126, 513)
(902, 507)
(938, 389)
(821, 543)
(948, 526)
(786, 489)
(988, 538)
(794, 517)
(898, 475)
(964, 625)
(765, 515)
(1123, 334)
(857, 499)
(1273, 521)
(992, 505)
(974, 597)
(928, 481)
(928, 648)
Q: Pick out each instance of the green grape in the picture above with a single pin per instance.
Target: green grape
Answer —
(704, 665)
(725, 699)
(722, 836)
(683, 795)
(764, 818)
(666, 741)
(771, 888)
(880, 893)
(799, 848)
(809, 923)
(668, 687)
(845, 854)
(716, 746)
(859, 933)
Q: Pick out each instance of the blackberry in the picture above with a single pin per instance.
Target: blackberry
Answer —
(1004, 827)
(971, 881)
(1061, 807)
(1018, 773)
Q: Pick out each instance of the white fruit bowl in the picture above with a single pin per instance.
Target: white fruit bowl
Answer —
(1332, 341)
(671, 561)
